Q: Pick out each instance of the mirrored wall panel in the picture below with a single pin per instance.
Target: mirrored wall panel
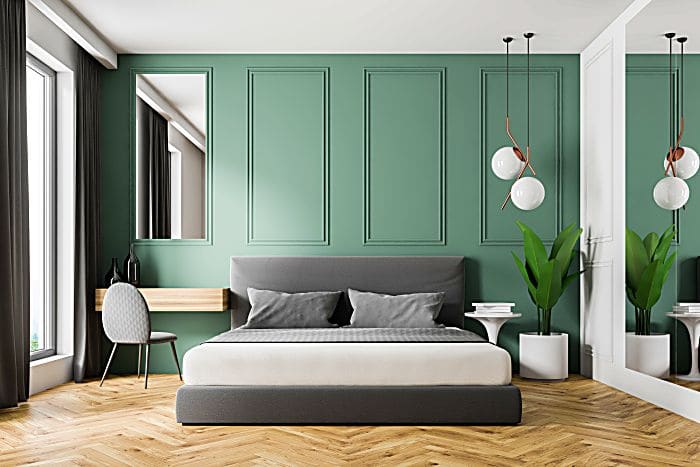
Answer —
(663, 192)
(170, 155)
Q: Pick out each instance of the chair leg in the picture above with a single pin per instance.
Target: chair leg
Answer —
(172, 346)
(148, 359)
(138, 368)
(109, 362)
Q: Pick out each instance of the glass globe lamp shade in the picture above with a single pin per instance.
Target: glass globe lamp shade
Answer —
(671, 193)
(527, 193)
(505, 164)
(686, 166)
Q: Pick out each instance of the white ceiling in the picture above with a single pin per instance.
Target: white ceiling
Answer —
(645, 33)
(345, 26)
(186, 92)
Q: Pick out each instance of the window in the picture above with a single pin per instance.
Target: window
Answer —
(41, 150)
(175, 191)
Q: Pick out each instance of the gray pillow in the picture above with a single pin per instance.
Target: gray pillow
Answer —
(270, 309)
(373, 310)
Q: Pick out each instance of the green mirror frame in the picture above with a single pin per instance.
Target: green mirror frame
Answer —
(208, 223)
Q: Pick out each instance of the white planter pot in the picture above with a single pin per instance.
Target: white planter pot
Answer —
(650, 355)
(544, 357)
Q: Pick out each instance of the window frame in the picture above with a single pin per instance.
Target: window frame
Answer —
(50, 206)
(175, 153)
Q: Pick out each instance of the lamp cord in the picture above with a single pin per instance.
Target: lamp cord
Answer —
(528, 92)
(670, 92)
(682, 80)
(507, 78)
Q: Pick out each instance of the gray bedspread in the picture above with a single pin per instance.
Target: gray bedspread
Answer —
(346, 334)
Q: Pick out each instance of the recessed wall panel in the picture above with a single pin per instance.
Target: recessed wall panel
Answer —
(497, 226)
(404, 163)
(288, 156)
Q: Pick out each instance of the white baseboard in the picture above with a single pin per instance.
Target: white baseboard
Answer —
(678, 399)
(49, 372)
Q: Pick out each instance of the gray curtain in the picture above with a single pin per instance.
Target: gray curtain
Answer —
(143, 203)
(14, 207)
(88, 325)
(159, 172)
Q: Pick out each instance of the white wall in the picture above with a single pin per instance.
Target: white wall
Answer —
(603, 220)
(192, 184)
(50, 45)
(73, 27)
(49, 37)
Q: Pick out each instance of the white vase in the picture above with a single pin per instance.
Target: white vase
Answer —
(544, 357)
(650, 355)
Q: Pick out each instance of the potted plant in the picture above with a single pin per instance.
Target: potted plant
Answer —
(545, 354)
(647, 265)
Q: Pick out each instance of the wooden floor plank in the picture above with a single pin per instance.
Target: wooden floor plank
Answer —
(576, 422)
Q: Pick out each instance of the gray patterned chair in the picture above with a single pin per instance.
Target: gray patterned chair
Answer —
(126, 320)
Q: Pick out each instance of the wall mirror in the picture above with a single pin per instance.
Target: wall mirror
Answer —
(663, 102)
(171, 156)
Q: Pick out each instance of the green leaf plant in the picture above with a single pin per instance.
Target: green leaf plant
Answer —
(647, 265)
(547, 276)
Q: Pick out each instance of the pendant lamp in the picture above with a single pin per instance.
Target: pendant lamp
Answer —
(508, 161)
(681, 162)
(527, 193)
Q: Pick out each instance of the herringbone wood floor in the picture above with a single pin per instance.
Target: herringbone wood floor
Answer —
(578, 422)
(688, 384)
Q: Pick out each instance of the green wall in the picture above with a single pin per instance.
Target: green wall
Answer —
(357, 155)
(647, 136)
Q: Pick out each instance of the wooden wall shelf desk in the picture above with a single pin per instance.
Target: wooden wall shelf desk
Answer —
(178, 299)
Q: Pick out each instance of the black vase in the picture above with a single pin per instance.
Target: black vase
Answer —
(132, 267)
(113, 276)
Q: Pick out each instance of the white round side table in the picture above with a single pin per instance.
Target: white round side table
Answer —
(492, 322)
(692, 322)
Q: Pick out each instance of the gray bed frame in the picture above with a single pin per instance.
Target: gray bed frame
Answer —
(237, 405)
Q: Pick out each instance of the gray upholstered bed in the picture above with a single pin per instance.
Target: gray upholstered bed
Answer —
(201, 402)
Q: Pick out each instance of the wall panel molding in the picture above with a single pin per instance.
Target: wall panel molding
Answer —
(484, 161)
(597, 315)
(321, 236)
(663, 72)
(369, 236)
(599, 209)
(596, 175)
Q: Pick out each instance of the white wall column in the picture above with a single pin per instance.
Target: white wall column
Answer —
(603, 221)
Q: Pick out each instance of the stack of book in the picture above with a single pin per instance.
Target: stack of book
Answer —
(686, 308)
(501, 308)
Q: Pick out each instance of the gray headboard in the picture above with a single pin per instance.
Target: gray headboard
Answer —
(384, 274)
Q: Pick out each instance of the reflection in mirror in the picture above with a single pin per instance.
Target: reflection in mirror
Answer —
(170, 156)
(662, 114)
